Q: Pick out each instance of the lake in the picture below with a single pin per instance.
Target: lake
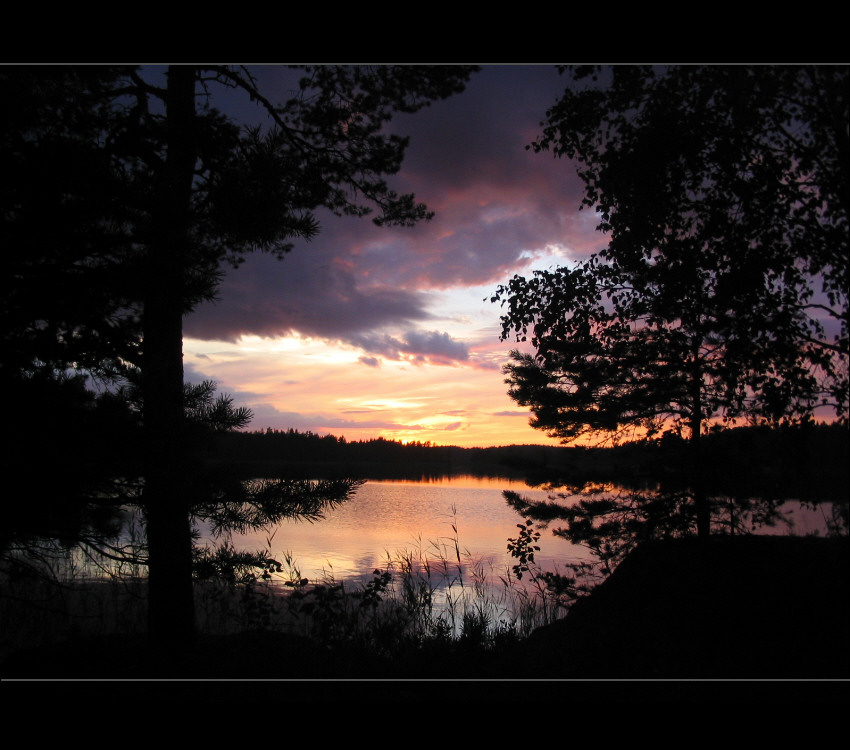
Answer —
(449, 533)
(422, 519)
(387, 520)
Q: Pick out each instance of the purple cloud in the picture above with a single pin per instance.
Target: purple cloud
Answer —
(309, 292)
(495, 202)
(266, 415)
(415, 346)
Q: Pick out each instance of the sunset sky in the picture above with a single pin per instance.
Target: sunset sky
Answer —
(368, 332)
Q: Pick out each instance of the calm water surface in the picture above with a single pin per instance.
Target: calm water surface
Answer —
(389, 519)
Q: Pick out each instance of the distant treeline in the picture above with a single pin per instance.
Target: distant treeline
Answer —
(804, 460)
(290, 451)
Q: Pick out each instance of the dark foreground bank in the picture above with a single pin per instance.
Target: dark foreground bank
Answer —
(775, 608)
(768, 607)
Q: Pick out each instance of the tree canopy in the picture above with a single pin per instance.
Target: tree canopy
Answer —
(722, 292)
(724, 194)
(126, 192)
(84, 154)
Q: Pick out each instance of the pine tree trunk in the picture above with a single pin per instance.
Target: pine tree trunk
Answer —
(697, 468)
(171, 616)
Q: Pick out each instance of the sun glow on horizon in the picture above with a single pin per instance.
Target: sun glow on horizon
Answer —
(323, 388)
(439, 381)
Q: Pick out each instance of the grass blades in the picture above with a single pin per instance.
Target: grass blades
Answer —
(435, 593)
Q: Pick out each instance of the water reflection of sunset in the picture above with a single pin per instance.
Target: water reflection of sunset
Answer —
(388, 520)
(430, 520)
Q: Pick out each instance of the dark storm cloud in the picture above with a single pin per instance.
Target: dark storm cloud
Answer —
(309, 293)
(481, 134)
(494, 199)
(415, 346)
(495, 203)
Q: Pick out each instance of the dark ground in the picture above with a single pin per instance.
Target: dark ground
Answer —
(774, 610)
